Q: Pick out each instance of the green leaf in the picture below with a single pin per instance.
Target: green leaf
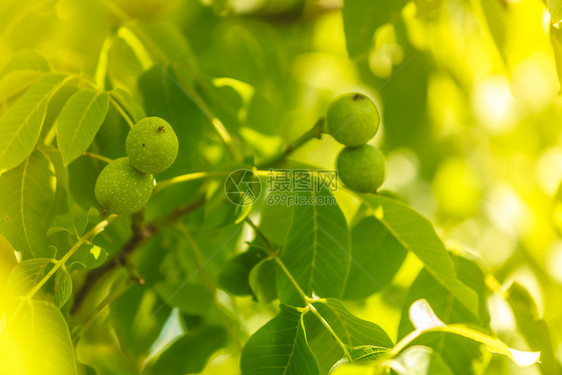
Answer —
(361, 354)
(129, 104)
(171, 44)
(262, 281)
(16, 82)
(425, 321)
(189, 298)
(74, 222)
(26, 275)
(138, 317)
(90, 257)
(124, 66)
(275, 222)
(555, 9)
(63, 287)
(279, 347)
(377, 257)
(495, 18)
(361, 19)
(26, 194)
(416, 360)
(351, 330)
(79, 121)
(7, 261)
(21, 124)
(534, 329)
(556, 41)
(26, 59)
(420, 360)
(317, 251)
(417, 235)
(458, 352)
(188, 354)
(234, 277)
(38, 342)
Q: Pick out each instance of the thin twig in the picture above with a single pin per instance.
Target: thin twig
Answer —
(97, 156)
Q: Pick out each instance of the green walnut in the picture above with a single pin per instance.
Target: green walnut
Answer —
(121, 189)
(361, 168)
(152, 145)
(352, 119)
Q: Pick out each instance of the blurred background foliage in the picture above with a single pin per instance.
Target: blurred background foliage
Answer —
(471, 112)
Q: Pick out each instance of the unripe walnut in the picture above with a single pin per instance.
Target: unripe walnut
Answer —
(152, 145)
(121, 189)
(352, 119)
(361, 168)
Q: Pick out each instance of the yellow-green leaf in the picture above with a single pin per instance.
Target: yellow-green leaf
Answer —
(37, 342)
(21, 124)
(26, 194)
(17, 81)
(79, 121)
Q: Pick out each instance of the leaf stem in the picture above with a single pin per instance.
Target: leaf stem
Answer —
(112, 99)
(402, 344)
(100, 227)
(201, 175)
(307, 300)
(332, 332)
(273, 254)
(97, 156)
(121, 111)
(187, 177)
(314, 132)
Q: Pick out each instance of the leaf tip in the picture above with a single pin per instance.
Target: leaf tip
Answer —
(423, 317)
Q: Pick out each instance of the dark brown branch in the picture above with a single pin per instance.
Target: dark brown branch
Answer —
(141, 234)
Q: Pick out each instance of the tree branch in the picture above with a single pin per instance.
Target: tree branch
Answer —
(141, 234)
